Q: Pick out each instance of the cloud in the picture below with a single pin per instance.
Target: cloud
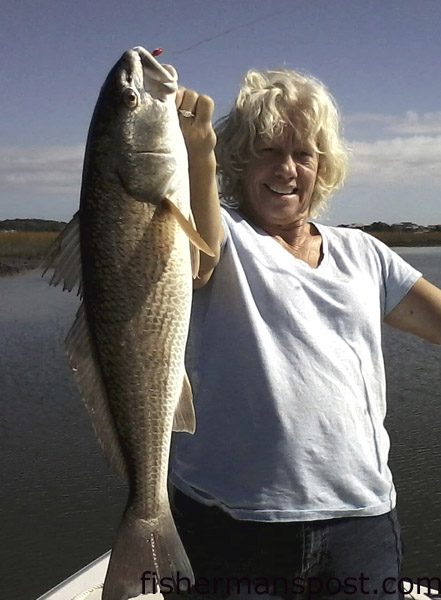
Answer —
(55, 172)
(402, 161)
(414, 124)
(400, 150)
(41, 170)
(410, 123)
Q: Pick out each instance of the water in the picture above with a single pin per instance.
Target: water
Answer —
(59, 502)
(413, 369)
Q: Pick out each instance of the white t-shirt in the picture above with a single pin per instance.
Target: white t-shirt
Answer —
(288, 378)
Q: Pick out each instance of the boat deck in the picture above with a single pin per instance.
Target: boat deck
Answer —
(87, 584)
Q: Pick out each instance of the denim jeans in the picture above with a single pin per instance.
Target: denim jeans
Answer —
(355, 557)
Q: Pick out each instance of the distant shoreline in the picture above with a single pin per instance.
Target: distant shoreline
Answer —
(10, 266)
(408, 238)
(25, 250)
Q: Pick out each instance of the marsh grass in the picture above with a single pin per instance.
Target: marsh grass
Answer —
(26, 244)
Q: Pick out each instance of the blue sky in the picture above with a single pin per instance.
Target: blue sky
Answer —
(380, 59)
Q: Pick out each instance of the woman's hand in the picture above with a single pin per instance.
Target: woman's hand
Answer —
(197, 130)
(200, 140)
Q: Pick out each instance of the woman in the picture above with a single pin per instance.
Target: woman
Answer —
(285, 484)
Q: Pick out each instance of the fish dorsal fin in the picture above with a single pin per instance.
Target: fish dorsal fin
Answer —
(88, 377)
(188, 227)
(65, 258)
(185, 419)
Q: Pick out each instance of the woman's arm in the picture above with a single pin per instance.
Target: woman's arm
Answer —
(200, 140)
(419, 312)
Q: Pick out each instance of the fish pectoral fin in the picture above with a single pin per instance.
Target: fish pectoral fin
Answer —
(188, 227)
(195, 261)
(64, 258)
(88, 377)
(194, 253)
(185, 419)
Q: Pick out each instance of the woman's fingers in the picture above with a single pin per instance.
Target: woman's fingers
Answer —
(195, 113)
(204, 110)
(179, 95)
(188, 101)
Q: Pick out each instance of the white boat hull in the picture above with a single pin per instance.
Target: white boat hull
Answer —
(87, 584)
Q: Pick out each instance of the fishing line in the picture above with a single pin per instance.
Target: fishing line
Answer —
(226, 32)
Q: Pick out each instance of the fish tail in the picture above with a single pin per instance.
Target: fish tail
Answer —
(148, 555)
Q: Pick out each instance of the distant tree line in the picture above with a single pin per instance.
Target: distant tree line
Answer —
(403, 226)
(47, 225)
(31, 225)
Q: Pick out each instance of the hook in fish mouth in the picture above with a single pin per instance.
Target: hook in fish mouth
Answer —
(166, 74)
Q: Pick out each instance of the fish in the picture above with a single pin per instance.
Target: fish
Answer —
(132, 251)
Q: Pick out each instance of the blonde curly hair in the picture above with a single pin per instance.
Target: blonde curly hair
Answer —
(267, 104)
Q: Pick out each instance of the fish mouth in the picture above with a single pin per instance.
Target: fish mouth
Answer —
(141, 70)
(158, 78)
(164, 74)
(153, 152)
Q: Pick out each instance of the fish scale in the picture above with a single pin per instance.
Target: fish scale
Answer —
(139, 361)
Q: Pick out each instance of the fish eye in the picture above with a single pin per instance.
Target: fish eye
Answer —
(130, 98)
